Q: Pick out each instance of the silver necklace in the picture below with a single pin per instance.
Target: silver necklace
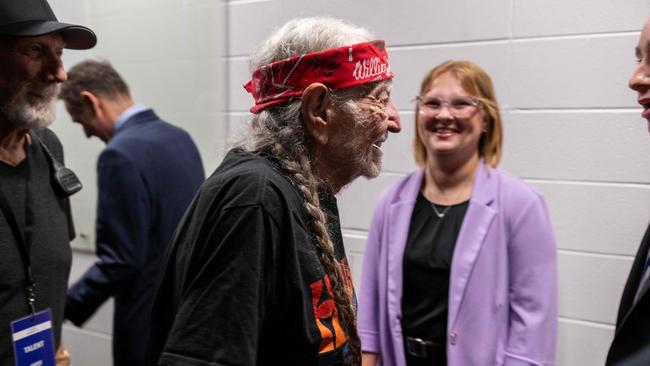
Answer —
(438, 213)
(444, 212)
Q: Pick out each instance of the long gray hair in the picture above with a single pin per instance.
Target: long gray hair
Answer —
(280, 130)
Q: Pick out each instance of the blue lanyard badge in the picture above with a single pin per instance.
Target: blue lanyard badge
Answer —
(33, 340)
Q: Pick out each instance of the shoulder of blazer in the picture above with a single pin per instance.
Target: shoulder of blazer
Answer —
(148, 115)
(504, 186)
(404, 189)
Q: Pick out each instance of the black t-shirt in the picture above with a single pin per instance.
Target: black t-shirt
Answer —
(50, 252)
(427, 266)
(243, 284)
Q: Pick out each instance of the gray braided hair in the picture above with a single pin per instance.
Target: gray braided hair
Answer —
(281, 131)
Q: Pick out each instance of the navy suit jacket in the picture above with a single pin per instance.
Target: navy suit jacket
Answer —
(631, 344)
(147, 175)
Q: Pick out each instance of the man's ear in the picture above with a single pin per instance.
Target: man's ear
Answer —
(314, 104)
(91, 101)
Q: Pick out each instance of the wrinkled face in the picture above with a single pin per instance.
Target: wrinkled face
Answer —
(449, 121)
(640, 79)
(363, 126)
(30, 71)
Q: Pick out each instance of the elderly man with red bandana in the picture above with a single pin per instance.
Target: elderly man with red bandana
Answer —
(257, 273)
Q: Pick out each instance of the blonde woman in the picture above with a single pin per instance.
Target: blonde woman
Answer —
(460, 265)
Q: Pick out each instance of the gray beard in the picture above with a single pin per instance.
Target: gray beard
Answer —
(22, 115)
(371, 167)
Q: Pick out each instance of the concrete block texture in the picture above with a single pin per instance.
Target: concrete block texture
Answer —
(597, 218)
(183, 86)
(446, 21)
(572, 72)
(585, 277)
(582, 343)
(250, 23)
(239, 99)
(557, 17)
(410, 65)
(354, 247)
(584, 145)
(195, 27)
(357, 201)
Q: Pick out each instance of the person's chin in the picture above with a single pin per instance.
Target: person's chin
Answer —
(437, 142)
(27, 116)
(372, 173)
(372, 168)
(442, 147)
(43, 117)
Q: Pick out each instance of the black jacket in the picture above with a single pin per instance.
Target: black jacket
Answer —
(632, 337)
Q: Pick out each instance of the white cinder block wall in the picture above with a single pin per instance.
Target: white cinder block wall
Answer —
(572, 127)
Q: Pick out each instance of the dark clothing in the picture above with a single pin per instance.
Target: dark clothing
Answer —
(147, 176)
(50, 252)
(639, 358)
(427, 263)
(632, 336)
(243, 284)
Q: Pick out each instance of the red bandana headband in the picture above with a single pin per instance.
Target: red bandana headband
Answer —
(337, 68)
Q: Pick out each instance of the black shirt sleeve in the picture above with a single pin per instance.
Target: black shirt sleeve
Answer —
(228, 289)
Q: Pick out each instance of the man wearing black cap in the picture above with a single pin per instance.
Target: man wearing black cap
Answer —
(35, 222)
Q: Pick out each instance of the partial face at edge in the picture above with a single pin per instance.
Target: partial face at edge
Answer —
(640, 79)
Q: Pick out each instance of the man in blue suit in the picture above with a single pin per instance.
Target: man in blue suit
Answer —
(146, 176)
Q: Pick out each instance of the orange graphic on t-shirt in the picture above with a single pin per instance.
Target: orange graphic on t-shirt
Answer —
(327, 319)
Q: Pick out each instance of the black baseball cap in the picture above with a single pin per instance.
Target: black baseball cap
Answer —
(32, 18)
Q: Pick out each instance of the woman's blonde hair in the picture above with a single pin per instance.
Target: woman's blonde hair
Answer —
(477, 83)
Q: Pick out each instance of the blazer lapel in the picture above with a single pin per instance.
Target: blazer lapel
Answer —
(399, 220)
(643, 292)
(475, 226)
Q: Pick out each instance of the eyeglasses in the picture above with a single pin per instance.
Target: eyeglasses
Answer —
(458, 107)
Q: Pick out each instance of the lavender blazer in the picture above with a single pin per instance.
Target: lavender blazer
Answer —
(503, 283)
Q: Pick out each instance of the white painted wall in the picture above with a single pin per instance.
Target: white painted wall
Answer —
(572, 128)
